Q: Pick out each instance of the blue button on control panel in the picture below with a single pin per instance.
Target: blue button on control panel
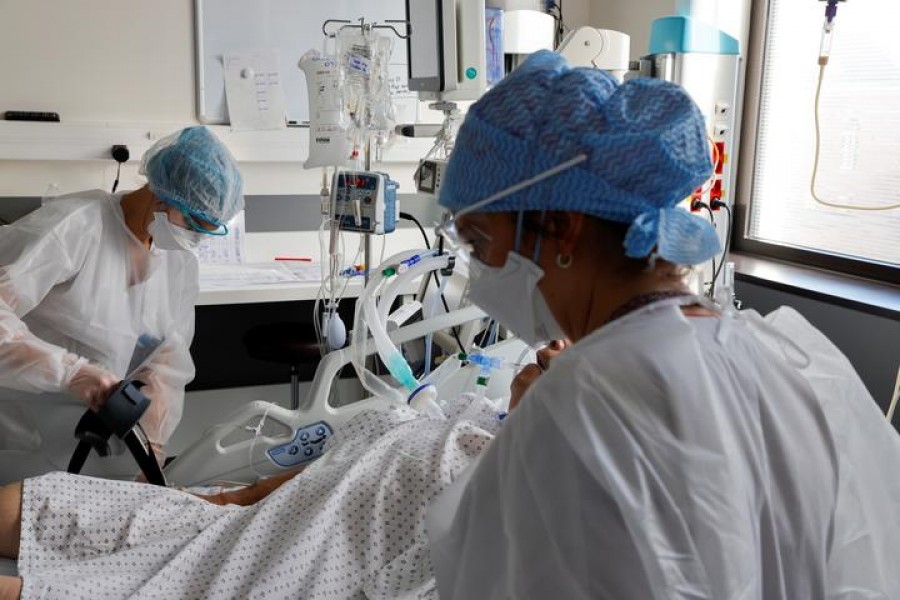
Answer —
(307, 445)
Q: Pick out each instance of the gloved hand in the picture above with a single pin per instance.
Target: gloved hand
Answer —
(92, 385)
(527, 376)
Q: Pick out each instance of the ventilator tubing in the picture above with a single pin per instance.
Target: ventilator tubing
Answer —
(372, 314)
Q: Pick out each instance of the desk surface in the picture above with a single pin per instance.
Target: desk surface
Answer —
(282, 292)
(263, 280)
(276, 292)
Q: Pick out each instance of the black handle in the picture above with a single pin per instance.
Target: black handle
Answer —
(118, 415)
(124, 408)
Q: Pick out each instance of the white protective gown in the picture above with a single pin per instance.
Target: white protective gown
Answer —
(75, 282)
(669, 457)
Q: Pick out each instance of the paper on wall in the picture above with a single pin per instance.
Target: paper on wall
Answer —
(253, 91)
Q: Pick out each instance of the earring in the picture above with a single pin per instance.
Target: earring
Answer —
(563, 261)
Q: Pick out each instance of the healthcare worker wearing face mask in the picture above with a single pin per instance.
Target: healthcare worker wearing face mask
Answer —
(96, 287)
(676, 449)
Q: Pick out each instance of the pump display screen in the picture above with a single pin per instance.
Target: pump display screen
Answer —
(425, 45)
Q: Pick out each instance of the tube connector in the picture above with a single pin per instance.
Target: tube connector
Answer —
(831, 10)
(425, 400)
(485, 363)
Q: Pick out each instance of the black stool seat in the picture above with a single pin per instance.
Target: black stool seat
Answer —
(285, 343)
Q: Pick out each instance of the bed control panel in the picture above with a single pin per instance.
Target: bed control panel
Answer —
(308, 444)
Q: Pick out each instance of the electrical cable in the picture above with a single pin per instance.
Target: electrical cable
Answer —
(715, 270)
(408, 217)
(727, 238)
(116, 182)
(697, 205)
(556, 11)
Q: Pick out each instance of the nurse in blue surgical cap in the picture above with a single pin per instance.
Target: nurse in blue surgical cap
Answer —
(674, 450)
(96, 287)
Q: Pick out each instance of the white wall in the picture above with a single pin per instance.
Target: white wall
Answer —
(576, 13)
(112, 63)
(99, 60)
(630, 16)
(119, 62)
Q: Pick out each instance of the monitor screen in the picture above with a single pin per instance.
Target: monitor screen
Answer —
(425, 45)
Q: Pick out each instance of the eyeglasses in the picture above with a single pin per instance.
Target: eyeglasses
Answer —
(448, 230)
(460, 245)
(195, 224)
(450, 234)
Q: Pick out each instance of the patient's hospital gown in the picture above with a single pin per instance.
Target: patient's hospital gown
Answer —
(350, 526)
(665, 457)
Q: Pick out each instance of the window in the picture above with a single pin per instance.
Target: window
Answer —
(859, 115)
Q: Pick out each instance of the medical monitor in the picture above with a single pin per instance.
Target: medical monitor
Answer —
(425, 45)
(446, 49)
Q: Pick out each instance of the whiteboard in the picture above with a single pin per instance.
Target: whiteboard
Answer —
(292, 27)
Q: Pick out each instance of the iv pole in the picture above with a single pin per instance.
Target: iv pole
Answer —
(365, 28)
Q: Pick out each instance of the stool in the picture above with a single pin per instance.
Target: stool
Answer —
(292, 344)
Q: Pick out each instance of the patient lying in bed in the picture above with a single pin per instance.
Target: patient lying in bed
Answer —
(350, 525)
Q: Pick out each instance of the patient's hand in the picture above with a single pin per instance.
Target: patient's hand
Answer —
(253, 493)
(527, 376)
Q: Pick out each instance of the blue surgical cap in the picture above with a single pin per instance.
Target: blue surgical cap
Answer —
(193, 171)
(645, 144)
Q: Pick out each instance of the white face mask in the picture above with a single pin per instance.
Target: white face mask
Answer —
(511, 295)
(167, 236)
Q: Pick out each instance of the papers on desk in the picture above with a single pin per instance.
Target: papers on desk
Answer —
(224, 249)
(234, 276)
(304, 271)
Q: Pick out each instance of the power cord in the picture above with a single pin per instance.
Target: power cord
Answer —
(121, 155)
(555, 10)
(716, 204)
(695, 206)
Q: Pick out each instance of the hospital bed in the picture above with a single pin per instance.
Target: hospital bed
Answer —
(263, 439)
(239, 448)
